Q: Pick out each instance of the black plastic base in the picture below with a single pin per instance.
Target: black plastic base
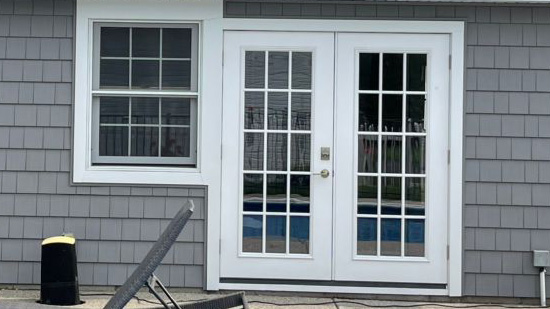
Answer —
(59, 294)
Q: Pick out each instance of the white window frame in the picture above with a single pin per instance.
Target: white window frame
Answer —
(207, 15)
(192, 94)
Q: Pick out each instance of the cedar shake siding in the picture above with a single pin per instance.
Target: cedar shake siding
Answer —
(114, 226)
(506, 132)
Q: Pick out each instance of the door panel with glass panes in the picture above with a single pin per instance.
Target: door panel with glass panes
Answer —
(391, 158)
(277, 113)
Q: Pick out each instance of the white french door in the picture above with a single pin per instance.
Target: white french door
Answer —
(334, 160)
(392, 97)
(277, 208)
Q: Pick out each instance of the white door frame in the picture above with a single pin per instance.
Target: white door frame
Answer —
(456, 31)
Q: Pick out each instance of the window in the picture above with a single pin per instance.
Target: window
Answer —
(392, 147)
(277, 93)
(144, 94)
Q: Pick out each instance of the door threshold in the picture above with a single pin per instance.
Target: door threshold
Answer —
(329, 287)
(368, 284)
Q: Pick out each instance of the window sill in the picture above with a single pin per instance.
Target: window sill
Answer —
(139, 175)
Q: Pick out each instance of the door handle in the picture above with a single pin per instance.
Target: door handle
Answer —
(324, 173)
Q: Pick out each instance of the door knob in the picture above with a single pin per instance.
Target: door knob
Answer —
(324, 173)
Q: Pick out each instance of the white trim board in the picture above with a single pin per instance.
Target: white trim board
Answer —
(456, 31)
(206, 13)
(209, 14)
(316, 25)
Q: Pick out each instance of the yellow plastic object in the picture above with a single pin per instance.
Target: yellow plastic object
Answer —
(59, 240)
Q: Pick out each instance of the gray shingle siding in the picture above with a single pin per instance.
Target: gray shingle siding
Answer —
(507, 130)
(115, 226)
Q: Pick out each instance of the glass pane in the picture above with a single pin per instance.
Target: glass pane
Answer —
(391, 154)
(391, 195)
(392, 72)
(145, 74)
(299, 193)
(301, 111)
(278, 70)
(366, 236)
(369, 66)
(176, 111)
(146, 42)
(368, 112)
(115, 42)
(277, 110)
(415, 158)
(392, 109)
(415, 196)
(253, 195)
(114, 110)
(176, 74)
(114, 73)
(276, 151)
(145, 110)
(254, 110)
(276, 193)
(390, 237)
(113, 141)
(176, 142)
(176, 43)
(367, 193)
(252, 233)
(275, 241)
(253, 151)
(300, 152)
(254, 76)
(367, 158)
(145, 142)
(299, 235)
(414, 237)
(416, 105)
(301, 70)
(416, 72)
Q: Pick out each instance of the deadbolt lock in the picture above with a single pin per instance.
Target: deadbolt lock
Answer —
(325, 153)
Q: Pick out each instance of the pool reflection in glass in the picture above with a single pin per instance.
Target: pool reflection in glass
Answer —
(299, 235)
(366, 236)
(275, 241)
(253, 192)
(276, 193)
(415, 196)
(367, 195)
(252, 233)
(391, 195)
(299, 193)
(390, 237)
(414, 237)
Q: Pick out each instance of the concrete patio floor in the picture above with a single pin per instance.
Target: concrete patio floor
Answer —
(17, 298)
